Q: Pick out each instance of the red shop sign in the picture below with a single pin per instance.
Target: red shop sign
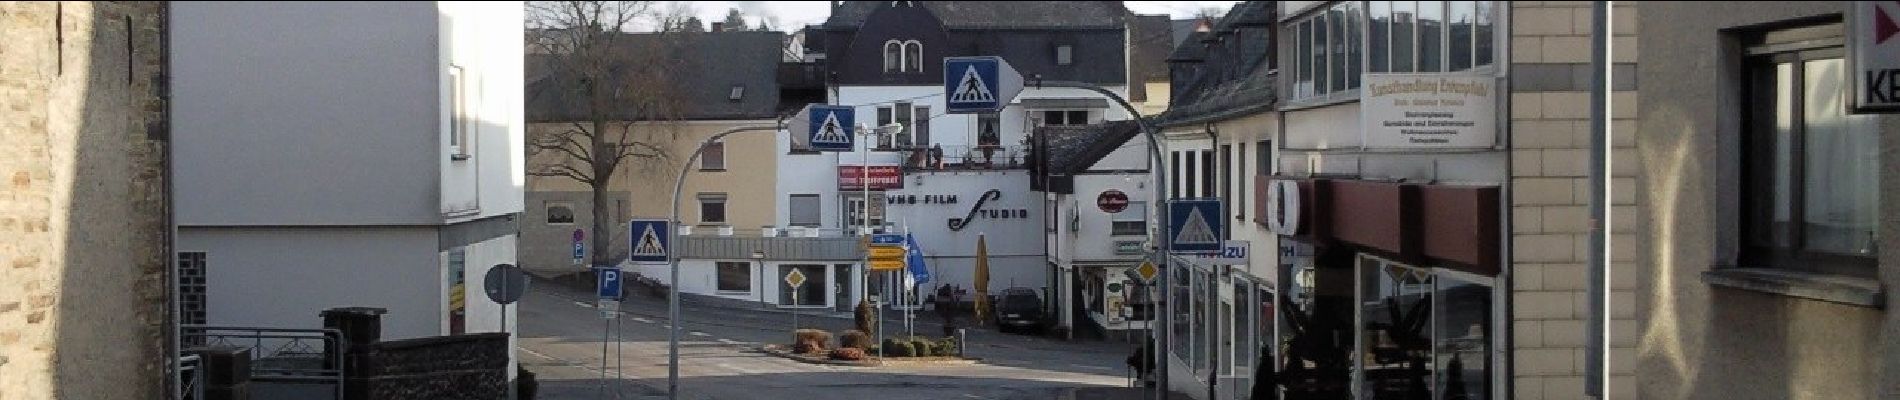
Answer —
(882, 177)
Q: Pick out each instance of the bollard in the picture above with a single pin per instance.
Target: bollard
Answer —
(963, 343)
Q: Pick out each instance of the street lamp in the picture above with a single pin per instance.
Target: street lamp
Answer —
(864, 216)
(673, 259)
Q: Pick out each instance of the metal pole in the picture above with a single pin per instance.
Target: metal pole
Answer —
(1596, 375)
(1160, 203)
(673, 263)
(605, 328)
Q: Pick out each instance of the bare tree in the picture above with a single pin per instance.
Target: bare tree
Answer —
(615, 97)
(735, 21)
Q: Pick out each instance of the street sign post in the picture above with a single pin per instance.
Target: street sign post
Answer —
(1195, 225)
(827, 128)
(979, 84)
(795, 279)
(607, 288)
(650, 238)
(580, 250)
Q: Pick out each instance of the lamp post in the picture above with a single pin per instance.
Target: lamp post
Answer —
(864, 216)
(673, 260)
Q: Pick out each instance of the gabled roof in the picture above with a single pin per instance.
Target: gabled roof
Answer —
(699, 72)
(997, 14)
(1151, 35)
(1073, 149)
(1224, 74)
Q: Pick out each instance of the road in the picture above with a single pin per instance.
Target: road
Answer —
(561, 341)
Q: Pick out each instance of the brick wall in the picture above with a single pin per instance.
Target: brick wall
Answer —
(83, 205)
(1550, 55)
(443, 367)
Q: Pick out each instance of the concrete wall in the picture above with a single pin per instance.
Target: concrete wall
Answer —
(283, 277)
(307, 113)
(1707, 342)
(82, 212)
(1549, 136)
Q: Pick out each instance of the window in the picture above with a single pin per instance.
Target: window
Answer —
(1404, 36)
(457, 290)
(914, 56)
(893, 56)
(920, 126)
(1429, 36)
(560, 214)
(1065, 117)
(1238, 170)
(712, 208)
(885, 116)
(734, 277)
(191, 290)
(1226, 172)
(1130, 222)
(806, 210)
(1065, 55)
(854, 211)
(916, 132)
(1174, 182)
(812, 293)
(987, 127)
(1263, 157)
(903, 111)
(459, 118)
(1459, 19)
(1207, 173)
(1325, 50)
(1049, 211)
(1433, 323)
(714, 158)
(1811, 171)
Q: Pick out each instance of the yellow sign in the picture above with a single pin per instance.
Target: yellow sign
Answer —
(796, 278)
(887, 265)
(887, 253)
(1147, 271)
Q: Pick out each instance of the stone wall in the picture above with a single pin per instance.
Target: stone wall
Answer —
(1549, 135)
(82, 213)
(444, 367)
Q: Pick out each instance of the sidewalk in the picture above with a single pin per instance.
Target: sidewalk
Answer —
(1114, 393)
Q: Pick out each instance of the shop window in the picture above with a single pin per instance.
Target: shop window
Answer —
(734, 277)
(1811, 171)
(1422, 332)
(810, 294)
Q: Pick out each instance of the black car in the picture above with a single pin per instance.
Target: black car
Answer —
(1019, 310)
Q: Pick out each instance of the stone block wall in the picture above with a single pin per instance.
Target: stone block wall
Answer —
(1549, 135)
(442, 367)
(82, 212)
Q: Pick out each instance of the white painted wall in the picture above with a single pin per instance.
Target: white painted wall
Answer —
(1015, 245)
(283, 277)
(477, 38)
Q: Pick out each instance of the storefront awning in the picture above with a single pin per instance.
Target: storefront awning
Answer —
(1453, 226)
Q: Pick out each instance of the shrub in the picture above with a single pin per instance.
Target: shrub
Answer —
(898, 348)
(855, 339)
(947, 347)
(815, 336)
(847, 354)
(862, 318)
(924, 348)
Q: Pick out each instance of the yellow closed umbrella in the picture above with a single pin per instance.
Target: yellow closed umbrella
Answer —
(982, 279)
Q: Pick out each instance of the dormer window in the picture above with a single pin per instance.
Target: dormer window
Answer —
(903, 56)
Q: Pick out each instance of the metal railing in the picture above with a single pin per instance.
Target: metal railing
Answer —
(280, 355)
(959, 158)
(191, 377)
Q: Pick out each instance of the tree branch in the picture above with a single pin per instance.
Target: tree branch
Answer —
(563, 170)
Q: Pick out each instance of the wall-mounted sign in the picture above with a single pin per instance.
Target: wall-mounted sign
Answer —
(882, 177)
(1283, 207)
(1873, 56)
(1410, 111)
(977, 210)
(1112, 201)
(1129, 247)
(909, 199)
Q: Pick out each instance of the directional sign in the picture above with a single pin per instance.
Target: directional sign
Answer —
(795, 279)
(607, 283)
(887, 265)
(650, 238)
(979, 84)
(1195, 225)
(890, 239)
(826, 127)
(887, 253)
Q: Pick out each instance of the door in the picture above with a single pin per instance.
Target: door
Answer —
(812, 292)
(841, 289)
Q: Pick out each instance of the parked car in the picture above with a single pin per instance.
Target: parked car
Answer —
(1019, 309)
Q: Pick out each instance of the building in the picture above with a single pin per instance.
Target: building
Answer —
(716, 81)
(1220, 133)
(1098, 188)
(346, 154)
(83, 148)
(1762, 261)
(949, 179)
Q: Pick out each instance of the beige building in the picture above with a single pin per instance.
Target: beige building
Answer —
(731, 83)
(83, 151)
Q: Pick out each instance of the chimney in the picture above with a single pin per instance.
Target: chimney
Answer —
(718, 27)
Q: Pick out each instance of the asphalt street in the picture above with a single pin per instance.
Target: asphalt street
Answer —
(562, 338)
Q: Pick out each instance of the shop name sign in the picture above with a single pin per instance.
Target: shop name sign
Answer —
(977, 210)
(882, 177)
(1873, 56)
(1411, 111)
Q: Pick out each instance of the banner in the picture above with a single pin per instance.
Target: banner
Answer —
(883, 177)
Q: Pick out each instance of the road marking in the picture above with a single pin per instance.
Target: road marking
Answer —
(584, 305)
(643, 320)
(571, 363)
(700, 334)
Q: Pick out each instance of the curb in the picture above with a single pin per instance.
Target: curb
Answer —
(779, 351)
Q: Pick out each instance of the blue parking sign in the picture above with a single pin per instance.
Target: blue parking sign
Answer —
(608, 283)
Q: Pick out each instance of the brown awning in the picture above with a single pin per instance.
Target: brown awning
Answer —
(1448, 226)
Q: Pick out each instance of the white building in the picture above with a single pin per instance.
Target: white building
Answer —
(1098, 185)
(347, 154)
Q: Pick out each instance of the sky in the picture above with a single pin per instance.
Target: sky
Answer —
(790, 14)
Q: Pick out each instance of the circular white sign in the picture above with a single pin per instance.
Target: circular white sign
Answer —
(1283, 207)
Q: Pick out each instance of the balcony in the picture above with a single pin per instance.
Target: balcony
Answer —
(963, 158)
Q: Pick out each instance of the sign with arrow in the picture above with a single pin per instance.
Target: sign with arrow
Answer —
(979, 84)
(650, 237)
(1873, 56)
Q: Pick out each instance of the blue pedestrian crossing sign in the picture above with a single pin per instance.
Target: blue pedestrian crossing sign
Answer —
(1195, 225)
(650, 238)
(827, 127)
(979, 84)
(607, 283)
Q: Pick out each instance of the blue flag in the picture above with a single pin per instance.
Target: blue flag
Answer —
(914, 260)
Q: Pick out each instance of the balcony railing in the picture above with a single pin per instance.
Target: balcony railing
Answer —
(956, 158)
(796, 243)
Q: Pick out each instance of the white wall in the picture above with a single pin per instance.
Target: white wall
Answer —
(960, 129)
(481, 314)
(283, 277)
(477, 37)
(1015, 245)
(1092, 242)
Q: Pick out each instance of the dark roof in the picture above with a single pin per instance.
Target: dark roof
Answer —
(998, 14)
(1073, 149)
(1225, 72)
(1151, 35)
(1182, 27)
(699, 73)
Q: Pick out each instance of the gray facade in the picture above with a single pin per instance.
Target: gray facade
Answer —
(282, 119)
(283, 277)
(1703, 337)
